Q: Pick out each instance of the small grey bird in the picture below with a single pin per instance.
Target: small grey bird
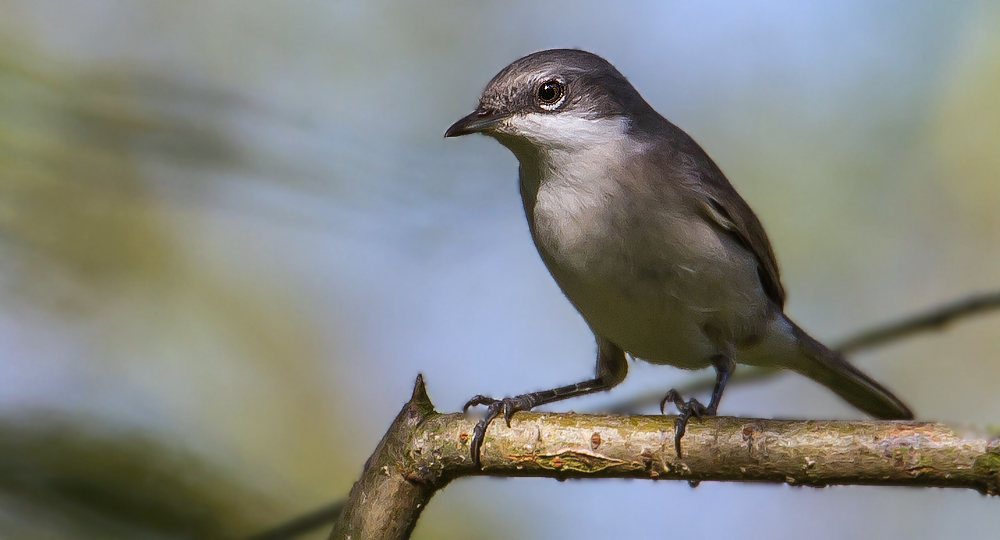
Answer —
(646, 237)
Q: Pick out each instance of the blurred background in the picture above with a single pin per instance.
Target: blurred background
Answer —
(231, 235)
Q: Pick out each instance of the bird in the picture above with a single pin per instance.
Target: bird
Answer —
(647, 238)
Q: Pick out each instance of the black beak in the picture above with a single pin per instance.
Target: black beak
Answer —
(477, 122)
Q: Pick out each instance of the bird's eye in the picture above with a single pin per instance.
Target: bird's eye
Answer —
(550, 92)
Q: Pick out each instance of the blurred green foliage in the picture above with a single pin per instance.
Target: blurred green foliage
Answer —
(76, 199)
(80, 227)
(76, 477)
(102, 167)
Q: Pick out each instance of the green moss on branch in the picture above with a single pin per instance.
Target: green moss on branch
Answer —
(424, 450)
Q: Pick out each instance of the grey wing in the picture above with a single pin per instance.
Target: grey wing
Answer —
(749, 233)
(719, 202)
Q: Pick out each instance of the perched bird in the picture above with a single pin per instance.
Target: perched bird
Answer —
(646, 237)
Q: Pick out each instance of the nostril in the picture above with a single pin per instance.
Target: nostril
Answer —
(484, 111)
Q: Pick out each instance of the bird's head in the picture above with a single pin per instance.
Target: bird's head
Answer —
(555, 99)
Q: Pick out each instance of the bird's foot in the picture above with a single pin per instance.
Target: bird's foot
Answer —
(689, 408)
(508, 406)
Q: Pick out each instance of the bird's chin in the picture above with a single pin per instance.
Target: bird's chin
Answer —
(505, 138)
(522, 148)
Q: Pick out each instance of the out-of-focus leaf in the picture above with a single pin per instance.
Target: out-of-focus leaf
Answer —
(72, 477)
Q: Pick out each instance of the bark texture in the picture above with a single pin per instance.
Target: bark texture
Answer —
(392, 492)
(424, 450)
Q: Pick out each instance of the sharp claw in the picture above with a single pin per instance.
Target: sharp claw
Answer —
(479, 433)
(687, 409)
(695, 407)
(680, 426)
(508, 411)
(672, 396)
(476, 444)
(508, 406)
(477, 400)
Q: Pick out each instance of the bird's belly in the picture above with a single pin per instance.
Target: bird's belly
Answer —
(643, 318)
(664, 286)
(680, 305)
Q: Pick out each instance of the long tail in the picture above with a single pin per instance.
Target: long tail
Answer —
(827, 367)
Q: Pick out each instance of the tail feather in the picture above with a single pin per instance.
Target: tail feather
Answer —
(829, 368)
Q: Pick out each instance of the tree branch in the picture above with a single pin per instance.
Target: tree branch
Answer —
(306, 523)
(387, 500)
(936, 319)
(424, 450)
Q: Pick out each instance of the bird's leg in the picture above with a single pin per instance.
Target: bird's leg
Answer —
(724, 367)
(611, 369)
(525, 402)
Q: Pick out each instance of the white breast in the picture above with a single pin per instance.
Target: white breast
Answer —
(570, 183)
(572, 218)
(577, 207)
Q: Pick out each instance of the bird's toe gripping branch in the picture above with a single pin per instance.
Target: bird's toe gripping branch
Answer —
(689, 408)
(508, 406)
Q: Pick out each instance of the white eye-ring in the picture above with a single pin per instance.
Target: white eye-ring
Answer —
(551, 94)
